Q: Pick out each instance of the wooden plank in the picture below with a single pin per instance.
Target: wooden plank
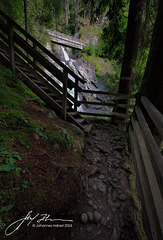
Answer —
(113, 114)
(3, 38)
(76, 103)
(148, 216)
(40, 93)
(38, 57)
(43, 61)
(42, 76)
(66, 43)
(41, 79)
(3, 27)
(11, 46)
(155, 198)
(64, 96)
(119, 95)
(106, 104)
(154, 114)
(157, 158)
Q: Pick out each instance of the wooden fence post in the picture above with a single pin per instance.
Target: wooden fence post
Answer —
(64, 95)
(76, 94)
(11, 46)
(35, 47)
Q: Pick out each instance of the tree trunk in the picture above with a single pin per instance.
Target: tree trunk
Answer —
(92, 20)
(26, 16)
(66, 12)
(131, 46)
(152, 83)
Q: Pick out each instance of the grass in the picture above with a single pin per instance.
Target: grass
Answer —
(89, 31)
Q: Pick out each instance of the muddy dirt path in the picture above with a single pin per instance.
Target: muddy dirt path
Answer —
(106, 210)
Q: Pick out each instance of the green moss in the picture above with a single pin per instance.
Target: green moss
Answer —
(8, 99)
(16, 119)
(138, 217)
(13, 90)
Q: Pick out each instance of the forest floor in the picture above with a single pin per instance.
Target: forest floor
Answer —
(48, 168)
(96, 189)
(106, 208)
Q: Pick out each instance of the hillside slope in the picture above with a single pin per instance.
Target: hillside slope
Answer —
(40, 159)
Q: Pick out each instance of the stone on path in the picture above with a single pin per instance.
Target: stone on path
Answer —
(84, 218)
(97, 216)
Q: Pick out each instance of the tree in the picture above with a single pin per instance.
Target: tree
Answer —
(67, 12)
(57, 11)
(113, 34)
(152, 83)
(26, 16)
(131, 46)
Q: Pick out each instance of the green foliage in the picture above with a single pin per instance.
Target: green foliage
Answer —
(8, 160)
(59, 136)
(6, 208)
(91, 50)
(149, 17)
(25, 184)
(14, 9)
(113, 35)
(15, 119)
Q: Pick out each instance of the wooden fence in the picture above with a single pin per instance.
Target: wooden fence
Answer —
(146, 137)
(21, 45)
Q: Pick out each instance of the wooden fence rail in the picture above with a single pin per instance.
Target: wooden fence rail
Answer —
(21, 46)
(149, 163)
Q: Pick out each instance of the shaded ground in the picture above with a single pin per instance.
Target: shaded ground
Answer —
(50, 172)
(47, 172)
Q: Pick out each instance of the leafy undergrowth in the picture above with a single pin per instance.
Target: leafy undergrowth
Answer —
(107, 70)
(40, 160)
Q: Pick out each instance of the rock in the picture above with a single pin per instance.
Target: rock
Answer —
(122, 197)
(84, 218)
(88, 228)
(90, 203)
(101, 176)
(95, 206)
(97, 216)
(103, 171)
(52, 115)
(90, 216)
(92, 170)
(117, 155)
(101, 187)
(115, 180)
(88, 195)
(103, 150)
(103, 221)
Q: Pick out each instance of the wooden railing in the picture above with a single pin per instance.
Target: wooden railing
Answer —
(146, 137)
(20, 43)
(111, 102)
(17, 41)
